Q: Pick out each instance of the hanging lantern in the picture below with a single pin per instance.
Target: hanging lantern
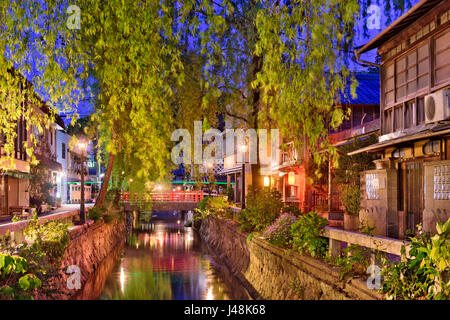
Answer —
(291, 178)
(266, 181)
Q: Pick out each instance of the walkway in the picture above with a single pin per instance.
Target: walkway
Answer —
(63, 208)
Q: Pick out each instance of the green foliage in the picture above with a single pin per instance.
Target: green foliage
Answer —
(96, 214)
(306, 236)
(15, 282)
(52, 238)
(348, 168)
(17, 218)
(353, 261)
(249, 238)
(212, 206)
(230, 194)
(425, 274)
(279, 233)
(351, 198)
(262, 208)
(292, 209)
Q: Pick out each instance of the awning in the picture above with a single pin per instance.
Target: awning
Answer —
(18, 175)
(237, 169)
(414, 137)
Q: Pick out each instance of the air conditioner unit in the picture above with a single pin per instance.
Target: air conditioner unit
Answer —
(437, 106)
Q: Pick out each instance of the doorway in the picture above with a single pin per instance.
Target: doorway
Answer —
(414, 193)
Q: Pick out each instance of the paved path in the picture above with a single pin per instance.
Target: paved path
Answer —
(65, 207)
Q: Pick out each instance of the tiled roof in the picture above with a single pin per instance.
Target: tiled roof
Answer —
(368, 90)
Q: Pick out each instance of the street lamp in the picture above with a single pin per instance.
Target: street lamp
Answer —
(209, 166)
(82, 147)
(243, 148)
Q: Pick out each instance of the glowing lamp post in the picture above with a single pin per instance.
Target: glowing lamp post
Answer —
(266, 181)
(82, 147)
(243, 148)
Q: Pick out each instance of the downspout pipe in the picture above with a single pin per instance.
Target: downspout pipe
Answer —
(357, 54)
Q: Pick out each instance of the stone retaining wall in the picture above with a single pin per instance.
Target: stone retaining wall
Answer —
(269, 272)
(89, 246)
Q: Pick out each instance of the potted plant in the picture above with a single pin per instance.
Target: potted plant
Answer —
(350, 198)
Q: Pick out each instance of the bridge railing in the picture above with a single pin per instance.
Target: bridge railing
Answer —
(169, 196)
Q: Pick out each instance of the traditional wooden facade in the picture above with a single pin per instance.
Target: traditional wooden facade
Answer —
(411, 182)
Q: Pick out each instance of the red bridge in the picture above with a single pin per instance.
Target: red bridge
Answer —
(170, 196)
(163, 201)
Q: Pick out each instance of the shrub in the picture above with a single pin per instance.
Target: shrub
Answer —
(306, 234)
(279, 233)
(218, 205)
(52, 238)
(15, 281)
(262, 208)
(425, 273)
(95, 214)
(292, 209)
(354, 261)
(350, 198)
(230, 193)
(214, 206)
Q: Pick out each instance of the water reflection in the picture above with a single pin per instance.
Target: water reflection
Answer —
(165, 260)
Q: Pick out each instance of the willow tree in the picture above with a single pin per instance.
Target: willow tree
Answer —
(134, 53)
(130, 49)
(275, 63)
(33, 59)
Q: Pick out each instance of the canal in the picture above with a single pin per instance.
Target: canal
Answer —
(163, 259)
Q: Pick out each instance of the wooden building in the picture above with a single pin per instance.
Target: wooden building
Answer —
(411, 182)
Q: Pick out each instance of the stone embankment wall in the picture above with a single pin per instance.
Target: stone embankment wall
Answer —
(269, 272)
(89, 246)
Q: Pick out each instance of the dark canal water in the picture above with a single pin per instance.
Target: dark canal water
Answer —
(163, 260)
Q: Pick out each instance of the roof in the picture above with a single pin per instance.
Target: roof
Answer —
(368, 90)
(438, 130)
(411, 16)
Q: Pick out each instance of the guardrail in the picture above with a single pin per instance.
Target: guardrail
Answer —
(383, 244)
(16, 228)
(170, 196)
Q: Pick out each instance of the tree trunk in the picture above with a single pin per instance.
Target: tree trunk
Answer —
(105, 182)
(257, 179)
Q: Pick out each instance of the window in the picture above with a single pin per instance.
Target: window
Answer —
(387, 121)
(398, 116)
(432, 147)
(372, 186)
(398, 153)
(422, 67)
(63, 150)
(442, 58)
(420, 116)
(400, 77)
(388, 77)
(409, 114)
